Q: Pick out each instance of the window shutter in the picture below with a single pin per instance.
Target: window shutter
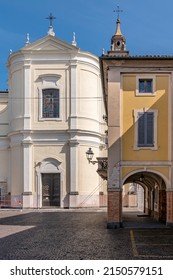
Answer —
(145, 129)
(150, 128)
(141, 129)
(141, 86)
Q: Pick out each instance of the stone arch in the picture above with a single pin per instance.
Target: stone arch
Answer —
(154, 185)
(51, 164)
(164, 178)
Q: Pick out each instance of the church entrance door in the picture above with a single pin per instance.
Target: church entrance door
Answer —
(50, 189)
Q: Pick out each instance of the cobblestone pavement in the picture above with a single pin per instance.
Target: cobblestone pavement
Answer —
(75, 235)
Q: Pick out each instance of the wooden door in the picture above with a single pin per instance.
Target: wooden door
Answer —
(50, 189)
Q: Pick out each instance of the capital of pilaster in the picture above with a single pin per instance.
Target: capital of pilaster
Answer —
(27, 193)
(73, 142)
(27, 143)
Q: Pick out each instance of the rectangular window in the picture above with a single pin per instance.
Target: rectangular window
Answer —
(145, 85)
(145, 129)
(50, 103)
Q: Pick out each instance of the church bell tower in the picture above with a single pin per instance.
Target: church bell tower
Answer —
(118, 42)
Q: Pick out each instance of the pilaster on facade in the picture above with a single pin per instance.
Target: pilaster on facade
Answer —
(114, 102)
(27, 95)
(73, 95)
(27, 173)
(73, 166)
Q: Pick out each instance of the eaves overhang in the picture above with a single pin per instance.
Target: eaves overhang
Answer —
(140, 57)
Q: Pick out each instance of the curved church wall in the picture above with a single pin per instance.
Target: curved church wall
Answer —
(48, 149)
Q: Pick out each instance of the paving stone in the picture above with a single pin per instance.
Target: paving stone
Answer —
(80, 234)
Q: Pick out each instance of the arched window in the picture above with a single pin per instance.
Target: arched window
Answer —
(50, 103)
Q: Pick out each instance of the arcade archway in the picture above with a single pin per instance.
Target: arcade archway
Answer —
(147, 191)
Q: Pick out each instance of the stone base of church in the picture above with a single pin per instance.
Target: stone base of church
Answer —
(15, 201)
(27, 199)
(72, 200)
(85, 201)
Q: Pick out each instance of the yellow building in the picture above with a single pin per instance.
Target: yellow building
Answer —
(138, 100)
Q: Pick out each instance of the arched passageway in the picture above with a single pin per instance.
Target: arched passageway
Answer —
(145, 191)
(133, 196)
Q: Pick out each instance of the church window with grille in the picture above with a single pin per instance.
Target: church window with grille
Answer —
(50, 103)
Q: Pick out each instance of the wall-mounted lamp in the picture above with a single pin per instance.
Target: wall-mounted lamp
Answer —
(89, 155)
(102, 162)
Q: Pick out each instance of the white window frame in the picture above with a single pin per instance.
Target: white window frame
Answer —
(143, 110)
(146, 77)
(49, 82)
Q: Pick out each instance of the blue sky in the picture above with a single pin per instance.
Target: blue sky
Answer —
(147, 25)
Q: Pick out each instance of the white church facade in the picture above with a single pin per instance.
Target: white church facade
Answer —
(50, 116)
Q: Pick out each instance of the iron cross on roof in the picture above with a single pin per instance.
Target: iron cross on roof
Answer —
(118, 11)
(51, 18)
